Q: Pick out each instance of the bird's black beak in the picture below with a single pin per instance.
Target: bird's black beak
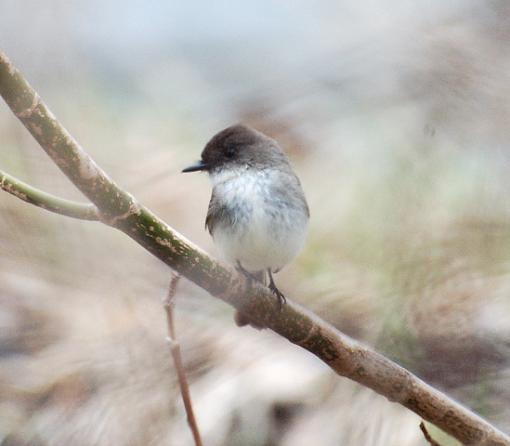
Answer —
(198, 166)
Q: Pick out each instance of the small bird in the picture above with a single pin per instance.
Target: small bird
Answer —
(258, 214)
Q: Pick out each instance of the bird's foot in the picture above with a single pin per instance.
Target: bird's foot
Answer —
(274, 289)
(242, 319)
(280, 296)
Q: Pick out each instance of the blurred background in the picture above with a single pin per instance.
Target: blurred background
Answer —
(396, 117)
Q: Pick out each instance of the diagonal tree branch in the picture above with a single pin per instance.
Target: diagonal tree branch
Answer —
(344, 355)
(25, 192)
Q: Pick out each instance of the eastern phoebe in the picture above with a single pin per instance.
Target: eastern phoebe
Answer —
(258, 215)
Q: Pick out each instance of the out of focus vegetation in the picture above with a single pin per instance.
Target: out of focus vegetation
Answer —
(396, 118)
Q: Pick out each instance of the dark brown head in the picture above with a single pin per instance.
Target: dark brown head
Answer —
(237, 146)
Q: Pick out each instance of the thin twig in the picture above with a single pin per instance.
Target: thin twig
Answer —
(427, 436)
(175, 349)
(25, 192)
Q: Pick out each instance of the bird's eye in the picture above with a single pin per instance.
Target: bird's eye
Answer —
(230, 151)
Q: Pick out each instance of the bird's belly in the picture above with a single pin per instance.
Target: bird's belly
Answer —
(265, 228)
(263, 238)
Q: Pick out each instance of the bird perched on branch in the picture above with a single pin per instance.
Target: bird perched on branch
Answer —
(258, 214)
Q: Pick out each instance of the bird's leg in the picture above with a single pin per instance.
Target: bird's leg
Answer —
(240, 318)
(251, 277)
(275, 290)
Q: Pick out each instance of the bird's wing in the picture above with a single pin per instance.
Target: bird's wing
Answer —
(213, 213)
(218, 213)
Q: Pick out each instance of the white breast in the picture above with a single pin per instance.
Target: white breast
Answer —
(268, 233)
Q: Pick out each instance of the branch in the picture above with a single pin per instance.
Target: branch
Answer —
(175, 349)
(47, 201)
(344, 355)
(427, 436)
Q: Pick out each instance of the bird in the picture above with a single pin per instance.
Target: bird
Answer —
(258, 214)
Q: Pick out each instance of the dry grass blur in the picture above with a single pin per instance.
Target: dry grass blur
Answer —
(397, 124)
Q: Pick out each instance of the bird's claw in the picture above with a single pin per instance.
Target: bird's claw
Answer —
(279, 295)
(274, 289)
